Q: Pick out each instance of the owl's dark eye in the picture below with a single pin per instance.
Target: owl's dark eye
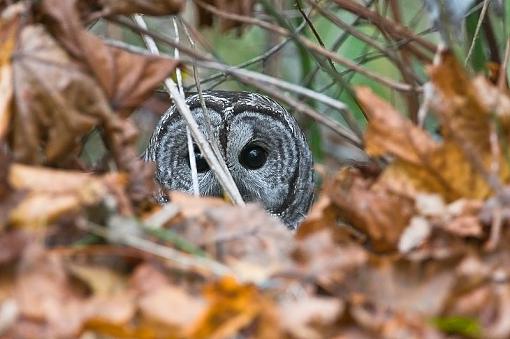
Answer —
(202, 165)
(253, 157)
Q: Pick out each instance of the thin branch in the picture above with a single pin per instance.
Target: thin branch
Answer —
(191, 148)
(182, 260)
(308, 79)
(328, 67)
(477, 30)
(351, 31)
(212, 141)
(309, 44)
(305, 109)
(385, 25)
(404, 66)
(223, 177)
(260, 58)
(244, 75)
(502, 80)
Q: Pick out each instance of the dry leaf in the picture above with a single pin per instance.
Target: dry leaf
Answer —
(423, 165)
(421, 288)
(319, 257)
(8, 32)
(12, 245)
(9, 197)
(102, 281)
(465, 226)
(240, 7)
(389, 132)
(458, 105)
(42, 179)
(494, 100)
(414, 235)
(322, 215)
(445, 172)
(390, 324)
(430, 205)
(127, 79)
(54, 193)
(380, 213)
(233, 307)
(147, 278)
(245, 237)
(172, 306)
(56, 103)
(43, 294)
(304, 317)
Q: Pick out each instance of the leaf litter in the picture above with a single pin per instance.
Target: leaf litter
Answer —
(415, 251)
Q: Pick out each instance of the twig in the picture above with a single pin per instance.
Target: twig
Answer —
(245, 75)
(328, 67)
(212, 141)
(351, 31)
(184, 261)
(223, 177)
(308, 79)
(477, 30)
(303, 108)
(497, 223)
(385, 25)
(502, 80)
(404, 66)
(191, 149)
(260, 58)
(310, 45)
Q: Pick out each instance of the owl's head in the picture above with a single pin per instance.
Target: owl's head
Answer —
(262, 144)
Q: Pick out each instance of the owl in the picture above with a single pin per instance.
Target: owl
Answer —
(261, 143)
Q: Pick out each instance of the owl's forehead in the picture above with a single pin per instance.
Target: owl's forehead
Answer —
(228, 103)
(224, 108)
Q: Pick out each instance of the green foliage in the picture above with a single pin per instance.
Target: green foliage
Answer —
(464, 326)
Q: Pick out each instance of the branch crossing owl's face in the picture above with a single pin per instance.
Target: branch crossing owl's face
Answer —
(262, 145)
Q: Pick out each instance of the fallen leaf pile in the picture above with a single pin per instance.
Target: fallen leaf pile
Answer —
(417, 250)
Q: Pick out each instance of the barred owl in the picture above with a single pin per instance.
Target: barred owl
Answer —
(261, 143)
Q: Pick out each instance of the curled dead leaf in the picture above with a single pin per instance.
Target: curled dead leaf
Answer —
(380, 214)
(56, 103)
(458, 104)
(127, 79)
(389, 132)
